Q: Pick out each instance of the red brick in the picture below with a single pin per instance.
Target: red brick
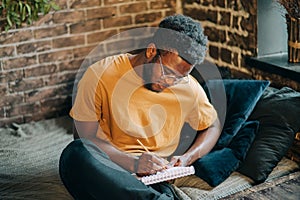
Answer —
(68, 41)
(215, 35)
(70, 65)
(101, 13)
(2, 113)
(6, 51)
(240, 41)
(170, 12)
(117, 21)
(60, 78)
(68, 16)
(38, 94)
(15, 37)
(45, 20)
(221, 3)
(146, 18)
(250, 6)
(100, 36)
(207, 2)
(40, 70)
(249, 24)
(21, 109)
(33, 47)
(120, 46)
(56, 56)
(53, 104)
(133, 8)
(214, 52)
(112, 2)
(45, 115)
(225, 18)
(163, 4)
(196, 13)
(226, 55)
(82, 52)
(25, 84)
(3, 89)
(11, 99)
(202, 14)
(86, 26)
(20, 62)
(212, 16)
(64, 89)
(30, 117)
(49, 92)
(7, 76)
(50, 31)
(84, 3)
(63, 4)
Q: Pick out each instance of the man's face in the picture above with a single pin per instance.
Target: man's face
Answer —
(166, 70)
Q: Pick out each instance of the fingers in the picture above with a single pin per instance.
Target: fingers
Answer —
(175, 161)
(150, 164)
(179, 161)
(159, 161)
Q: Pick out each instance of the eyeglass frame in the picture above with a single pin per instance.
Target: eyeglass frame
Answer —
(175, 79)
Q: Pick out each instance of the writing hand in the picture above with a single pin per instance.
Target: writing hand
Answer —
(150, 163)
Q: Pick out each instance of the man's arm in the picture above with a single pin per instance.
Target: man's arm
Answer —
(203, 144)
(88, 130)
(146, 164)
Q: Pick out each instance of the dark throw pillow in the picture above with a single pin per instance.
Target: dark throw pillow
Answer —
(216, 166)
(241, 98)
(278, 113)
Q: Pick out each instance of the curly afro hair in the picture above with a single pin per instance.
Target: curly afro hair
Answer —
(183, 34)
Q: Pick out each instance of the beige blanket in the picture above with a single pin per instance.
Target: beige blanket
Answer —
(29, 156)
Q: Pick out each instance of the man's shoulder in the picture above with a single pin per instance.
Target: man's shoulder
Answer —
(194, 84)
(108, 61)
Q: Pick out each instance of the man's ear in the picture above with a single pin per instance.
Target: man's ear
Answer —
(151, 51)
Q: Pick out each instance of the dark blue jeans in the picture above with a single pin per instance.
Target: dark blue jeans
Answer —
(88, 173)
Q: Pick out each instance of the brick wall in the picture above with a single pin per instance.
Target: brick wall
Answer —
(231, 27)
(38, 63)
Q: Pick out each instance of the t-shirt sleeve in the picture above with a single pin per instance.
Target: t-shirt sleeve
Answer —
(87, 101)
(203, 115)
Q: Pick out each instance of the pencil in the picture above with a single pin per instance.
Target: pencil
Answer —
(142, 145)
(165, 161)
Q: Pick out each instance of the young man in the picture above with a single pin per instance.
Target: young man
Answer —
(128, 114)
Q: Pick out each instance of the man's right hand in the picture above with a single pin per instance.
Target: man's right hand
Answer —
(149, 163)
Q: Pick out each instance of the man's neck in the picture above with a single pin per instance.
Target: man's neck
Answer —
(137, 61)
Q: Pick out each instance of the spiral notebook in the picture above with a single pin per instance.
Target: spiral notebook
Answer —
(168, 174)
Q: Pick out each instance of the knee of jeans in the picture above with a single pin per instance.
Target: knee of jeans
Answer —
(79, 150)
(72, 147)
(68, 155)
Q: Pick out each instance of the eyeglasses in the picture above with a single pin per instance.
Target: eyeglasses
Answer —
(172, 78)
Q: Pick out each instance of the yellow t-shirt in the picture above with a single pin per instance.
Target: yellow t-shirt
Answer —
(111, 93)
